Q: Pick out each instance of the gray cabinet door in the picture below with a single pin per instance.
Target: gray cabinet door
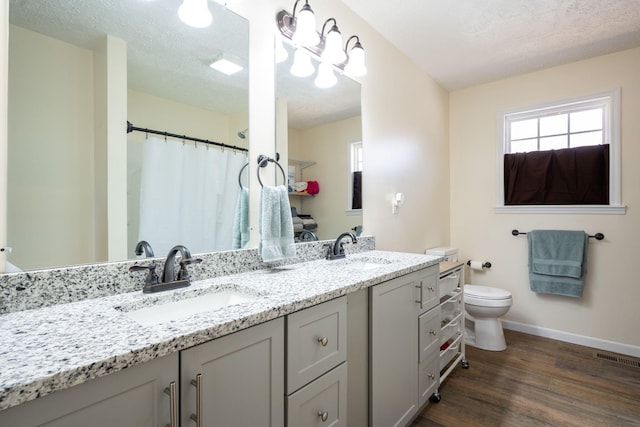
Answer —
(132, 397)
(240, 376)
(394, 351)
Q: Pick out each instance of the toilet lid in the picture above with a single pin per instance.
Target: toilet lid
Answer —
(486, 292)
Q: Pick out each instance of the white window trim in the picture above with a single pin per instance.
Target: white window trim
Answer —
(348, 211)
(615, 206)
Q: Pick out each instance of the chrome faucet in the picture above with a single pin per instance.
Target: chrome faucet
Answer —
(338, 250)
(144, 246)
(169, 272)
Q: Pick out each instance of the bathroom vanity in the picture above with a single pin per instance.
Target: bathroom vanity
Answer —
(294, 352)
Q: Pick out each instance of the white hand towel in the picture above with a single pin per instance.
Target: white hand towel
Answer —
(276, 225)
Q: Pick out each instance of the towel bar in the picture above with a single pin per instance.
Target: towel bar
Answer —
(263, 161)
(597, 236)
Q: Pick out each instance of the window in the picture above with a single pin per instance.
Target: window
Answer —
(354, 202)
(588, 121)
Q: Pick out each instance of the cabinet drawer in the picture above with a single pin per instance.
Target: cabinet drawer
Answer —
(316, 342)
(429, 288)
(449, 283)
(429, 377)
(321, 403)
(429, 332)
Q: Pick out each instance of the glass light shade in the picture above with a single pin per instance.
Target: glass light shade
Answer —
(302, 66)
(355, 66)
(306, 34)
(333, 52)
(325, 77)
(281, 52)
(195, 13)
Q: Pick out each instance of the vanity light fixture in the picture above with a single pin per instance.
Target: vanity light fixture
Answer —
(325, 78)
(305, 33)
(226, 65)
(302, 66)
(355, 66)
(195, 13)
(332, 52)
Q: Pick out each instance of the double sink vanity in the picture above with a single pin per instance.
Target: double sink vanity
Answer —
(246, 344)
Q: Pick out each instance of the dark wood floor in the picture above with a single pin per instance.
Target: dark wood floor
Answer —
(537, 382)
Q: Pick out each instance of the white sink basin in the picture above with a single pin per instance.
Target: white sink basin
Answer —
(161, 309)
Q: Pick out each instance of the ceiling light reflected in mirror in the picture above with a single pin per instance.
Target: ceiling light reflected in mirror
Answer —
(195, 13)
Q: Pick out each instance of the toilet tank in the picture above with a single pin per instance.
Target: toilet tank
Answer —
(449, 254)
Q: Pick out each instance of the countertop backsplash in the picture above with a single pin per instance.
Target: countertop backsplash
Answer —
(43, 288)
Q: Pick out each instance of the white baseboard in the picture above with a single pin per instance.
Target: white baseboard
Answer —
(616, 347)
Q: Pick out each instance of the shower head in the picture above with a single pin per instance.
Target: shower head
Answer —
(243, 134)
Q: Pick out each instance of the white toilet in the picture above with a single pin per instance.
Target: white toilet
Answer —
(484, 306)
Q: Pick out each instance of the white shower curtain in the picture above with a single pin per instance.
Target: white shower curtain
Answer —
(188, 195)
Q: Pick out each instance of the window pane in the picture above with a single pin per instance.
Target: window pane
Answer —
(554, 125)
(588, 138)
(586, 120)
(524, 129)
(524, 145)
(553, 143)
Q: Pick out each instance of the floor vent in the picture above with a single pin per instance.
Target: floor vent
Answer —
(618, 358)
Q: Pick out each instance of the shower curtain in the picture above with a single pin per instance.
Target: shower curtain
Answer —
(188, 195)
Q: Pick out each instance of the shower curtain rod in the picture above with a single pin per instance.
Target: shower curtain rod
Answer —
(131, 128)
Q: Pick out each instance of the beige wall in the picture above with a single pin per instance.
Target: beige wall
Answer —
(607, 310)
(328, 146)
(50, 182)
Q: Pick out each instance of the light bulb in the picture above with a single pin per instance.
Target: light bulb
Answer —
(195, 13)
(355, 66)
(306, 34)
(325, 77)
(302, 66)
(333, 52)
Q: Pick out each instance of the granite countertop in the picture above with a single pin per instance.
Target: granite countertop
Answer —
(56, 347)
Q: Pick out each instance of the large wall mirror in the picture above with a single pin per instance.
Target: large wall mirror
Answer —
(64, 58)
(320, 131)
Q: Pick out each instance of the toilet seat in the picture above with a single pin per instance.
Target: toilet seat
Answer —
(486, 296)
(486, 292)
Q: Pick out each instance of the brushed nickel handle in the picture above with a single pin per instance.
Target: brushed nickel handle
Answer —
(197, 384)
(172, 391)
(432, 377)
(323, 415)
(323, 341)
(419, 301)
(432, 289)
(434, 333)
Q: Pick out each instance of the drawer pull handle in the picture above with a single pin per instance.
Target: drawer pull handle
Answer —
(432, 289)
(323, 341)
(419, 301)
(197, 384)
(434, 333)
(173, 403)
(324, 416)
(431, 376)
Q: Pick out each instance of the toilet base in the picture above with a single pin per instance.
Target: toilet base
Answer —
(485, 334)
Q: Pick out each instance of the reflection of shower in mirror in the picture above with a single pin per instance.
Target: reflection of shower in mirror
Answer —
(243, 134)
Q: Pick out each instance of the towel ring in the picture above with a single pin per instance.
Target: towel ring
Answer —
(263, 161)
(240, 174)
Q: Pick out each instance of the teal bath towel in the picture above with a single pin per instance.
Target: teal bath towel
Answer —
(557, 261)
(241, 220)
(276, 225)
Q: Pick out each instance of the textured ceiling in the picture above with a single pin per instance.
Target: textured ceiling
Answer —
(168, 59)
(466, 42)
(165, 57)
